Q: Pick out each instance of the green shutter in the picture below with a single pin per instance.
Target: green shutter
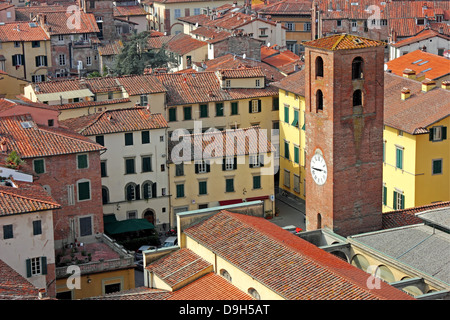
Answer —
(385, 195)
(187, 113)
(180, 190)
(129, 163)
(39, 166)
(394, 205)
(146, 164)
(234, 108)
(44, 265)
(286, 150)
(219, 109)
(259, 105)
(229, 185)
(28, 266)
(202, 187)
(145, 136)
(286, 114)
(129, 138)
(82, 161)
(296, 155)
(83, 191)
(399, 158)
(276, 103)
(295, 122)
(403, 201)
(172, 114)
(256, 182)
(203, 110)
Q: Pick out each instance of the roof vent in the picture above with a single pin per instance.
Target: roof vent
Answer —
(26, 124)
(406, 93)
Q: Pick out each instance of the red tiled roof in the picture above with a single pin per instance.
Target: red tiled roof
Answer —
(432, 65)
(178, 266)
(158, 42)
(287, 7)
(243, 72)
(58, 86)
(244, 141)
(183, 43)
(57, 23)
(201, 19)
(21, 31)
(38, 141)
(141, 84)
(212, 35)
(139, 293)
(422, 35)
(84, 104)
(302, 270)
(102, 84)
(27, 13)
(192, 88)
(283, 58)
(347, 9)
(124, 11)
(343, 42)
(26, 198)
(230, 61)
(420, 110)
(294, 83)
(210, 287)
(119, 120)
(15, 287)
(111, 48)
(404, 217)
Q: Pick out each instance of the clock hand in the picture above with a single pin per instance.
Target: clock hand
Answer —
(317, 169)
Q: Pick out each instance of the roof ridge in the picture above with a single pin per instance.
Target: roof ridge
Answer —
(67, 136)
(29, 198)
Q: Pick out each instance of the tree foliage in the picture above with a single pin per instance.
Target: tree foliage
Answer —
(136, 56)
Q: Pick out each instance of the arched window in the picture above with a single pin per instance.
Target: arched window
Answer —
(319, 100)
(132, 192)
(105, 195)
(319, 67)
(224, 273)
(254, 293)
(319, 221)
(384, 273)
(357, 68)
(357, 98)
(149, 190)
(149, 215)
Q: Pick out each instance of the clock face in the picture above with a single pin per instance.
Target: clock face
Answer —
(318, 169)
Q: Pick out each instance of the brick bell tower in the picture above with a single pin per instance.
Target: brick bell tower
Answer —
(344, 94)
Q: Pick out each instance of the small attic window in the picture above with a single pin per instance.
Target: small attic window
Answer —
(417, 61)
(422, 63)
(26, 124)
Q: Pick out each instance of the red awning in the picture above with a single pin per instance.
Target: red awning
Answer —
(227, 202)
(257, 198)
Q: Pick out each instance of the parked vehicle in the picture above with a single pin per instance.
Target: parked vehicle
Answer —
(170, 242)
(138, 255)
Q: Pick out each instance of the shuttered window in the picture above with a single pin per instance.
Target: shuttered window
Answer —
(202, 187)
(84, 190)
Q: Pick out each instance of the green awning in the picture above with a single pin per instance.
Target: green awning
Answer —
(129, 225)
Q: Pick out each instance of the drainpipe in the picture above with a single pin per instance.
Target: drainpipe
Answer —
(24, 64)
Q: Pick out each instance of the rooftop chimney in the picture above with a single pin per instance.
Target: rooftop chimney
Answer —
(428, 84)
(410, 74)
(406, 93)
(445, 84)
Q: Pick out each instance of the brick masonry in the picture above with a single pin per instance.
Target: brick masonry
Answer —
(350, 139)
(61, 171)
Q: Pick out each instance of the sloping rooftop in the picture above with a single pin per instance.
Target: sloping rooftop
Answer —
(125, 11)
(57, 23)
(22, 31)
(294, 83)
(25, 198)
(285, 263)
(287, 8)
(431, 65)
(31, 140)
(112, 121)
(419, 246)
(417, 112)
(15, 287)
(183, 43)
(343, 42)
(422, 35)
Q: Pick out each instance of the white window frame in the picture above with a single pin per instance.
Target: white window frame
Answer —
(201, 166)
(62, 59)
(254, 160)
(36, 266)
(88, 60)
(255, 106)
(229, 163)
(437, 133)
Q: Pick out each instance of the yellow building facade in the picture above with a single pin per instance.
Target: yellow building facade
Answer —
(292, 135)
(416, 153)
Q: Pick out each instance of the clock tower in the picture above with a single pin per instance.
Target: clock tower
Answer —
(344, 94)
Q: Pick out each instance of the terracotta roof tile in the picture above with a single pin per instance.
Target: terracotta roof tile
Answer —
(420, 110)
(15, 287)
(243, 72)
(178, 266)
(57, 23)
(22, 31)
(120, 120)
(302, 270)
(294, 83)
(422, 35)
(287, 7)
(183, 43)
(139, 293)
(245, 141)
(25, 198)
(405, 217)
(84, 104)
(432, 65)
(212, 35)
(124, 11)
(110, 49)
(37, 141)
(210, 287)
(141, 84)
(158, 42)
(343, 42)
